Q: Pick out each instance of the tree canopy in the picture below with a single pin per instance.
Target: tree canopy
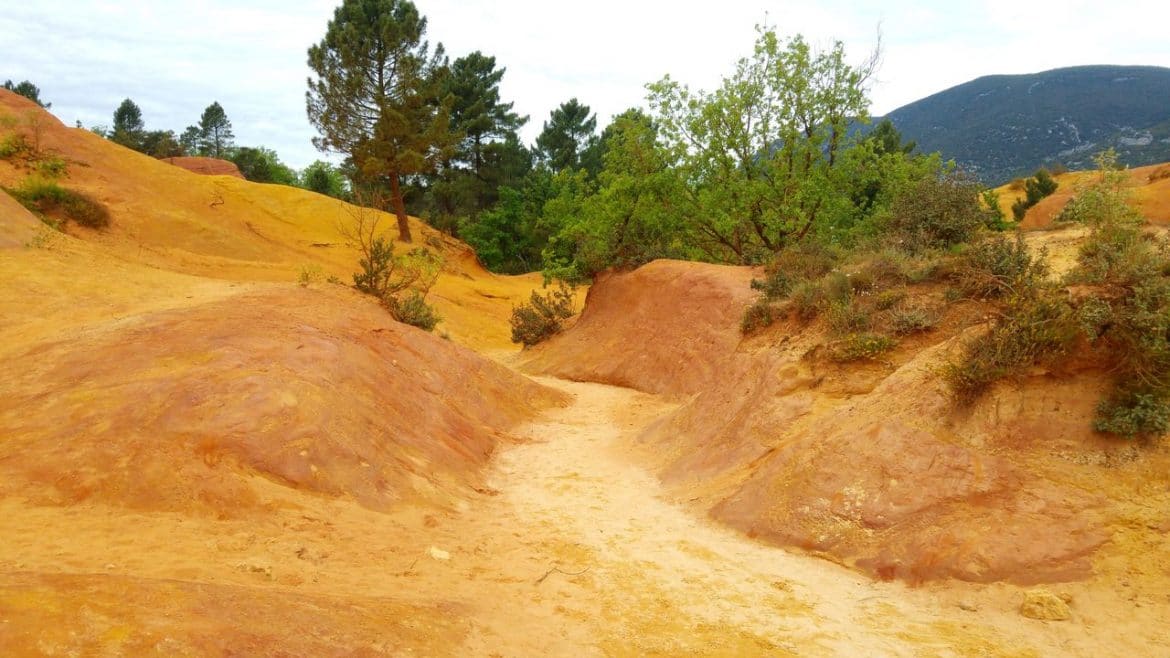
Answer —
(28, 90)
(128, 127)
(376, 95)
(215, 132)
(568, 135)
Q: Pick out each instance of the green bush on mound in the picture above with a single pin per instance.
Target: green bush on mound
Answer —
(47, 198)
(543, 316)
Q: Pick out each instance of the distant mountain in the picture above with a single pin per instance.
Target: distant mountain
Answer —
(1003, 126)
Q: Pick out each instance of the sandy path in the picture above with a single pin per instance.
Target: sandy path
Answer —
(637, 575)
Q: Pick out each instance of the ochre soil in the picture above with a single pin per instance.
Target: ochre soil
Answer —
(200, 456)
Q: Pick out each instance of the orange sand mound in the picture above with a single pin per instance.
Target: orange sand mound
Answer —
(870, 464)
(228, 228)
(1149, 188)
(17, 225)
(673, 318)
(206, 166)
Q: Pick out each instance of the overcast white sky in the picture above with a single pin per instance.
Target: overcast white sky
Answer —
(175, 58)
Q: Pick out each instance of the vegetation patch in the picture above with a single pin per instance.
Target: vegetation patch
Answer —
(49, 199)
(543, 316)
(860, 347)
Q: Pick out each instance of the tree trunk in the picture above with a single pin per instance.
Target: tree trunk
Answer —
(399, 209)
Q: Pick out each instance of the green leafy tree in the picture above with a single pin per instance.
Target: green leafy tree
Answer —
(377, 95)
(324, 178)
(129, 127)
(567, 136)
(28, 90)
(262, 165)
(630, 219)
(161, 144)
(760, 154)
(215, 132)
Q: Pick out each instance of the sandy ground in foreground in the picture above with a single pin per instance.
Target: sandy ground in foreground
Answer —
(573, 550)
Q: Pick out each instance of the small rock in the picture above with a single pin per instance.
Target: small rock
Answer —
(439, 554)
(1045, 606)
(968, 606)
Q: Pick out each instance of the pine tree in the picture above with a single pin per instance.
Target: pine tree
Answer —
(377, 95)
(215, 132)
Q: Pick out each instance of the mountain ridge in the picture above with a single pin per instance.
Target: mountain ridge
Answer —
(1003, 126)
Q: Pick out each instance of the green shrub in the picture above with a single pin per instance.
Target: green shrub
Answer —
(1031, 329)
(1132, 413)
(859, 347)
(51, 168)
(1036, 188)
(937, 212)
(308, 274)
(846, 317)
(888, 299)
(915, 320)
(803, 261)
(48, 198)
(13, 145)
(757, 316)
(999, 267)
(412, 308)
(542, 317)
(807, 299)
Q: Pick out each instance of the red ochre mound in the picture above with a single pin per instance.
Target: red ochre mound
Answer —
(206, 166)
(870, 465)
(318, 390)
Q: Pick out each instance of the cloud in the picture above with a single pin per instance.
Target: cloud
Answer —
(175, 58)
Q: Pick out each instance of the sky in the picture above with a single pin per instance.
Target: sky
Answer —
(174, 58)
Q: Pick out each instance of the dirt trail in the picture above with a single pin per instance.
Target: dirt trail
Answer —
(629, 573)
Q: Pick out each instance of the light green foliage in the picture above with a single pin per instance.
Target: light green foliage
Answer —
(630, 219)
(543, 316)
(309, 274)
(324, 178)
(758, 156)
(377, 96)
(1104, 201)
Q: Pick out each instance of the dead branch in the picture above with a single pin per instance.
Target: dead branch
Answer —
(557, 570)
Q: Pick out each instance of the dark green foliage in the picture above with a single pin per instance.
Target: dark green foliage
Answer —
(1132, 413)
(377, 96)
(161, 144)
(215, 132)
(47, 198)
(413, 309)
(128, 125)
(324, 178)
(1037, 187)
(543, 316)
(262, 165)
(937, 212)
(28, 90)
(567, 136)
(377, 265)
